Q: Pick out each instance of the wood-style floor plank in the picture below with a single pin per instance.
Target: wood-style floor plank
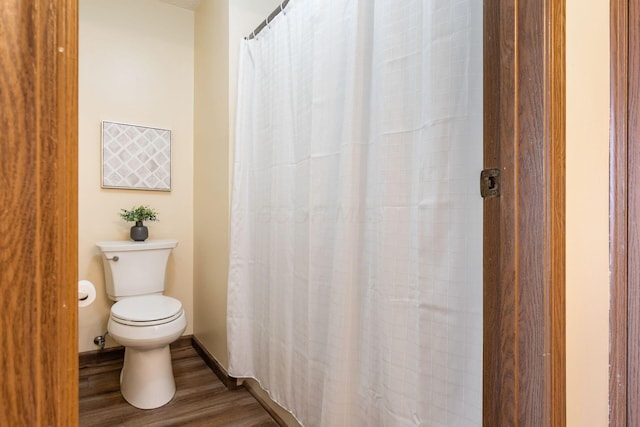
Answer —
(200, 400)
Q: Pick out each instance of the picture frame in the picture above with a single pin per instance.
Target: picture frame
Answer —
(135, 157)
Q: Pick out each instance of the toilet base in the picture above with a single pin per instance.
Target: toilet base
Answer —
(146, 380)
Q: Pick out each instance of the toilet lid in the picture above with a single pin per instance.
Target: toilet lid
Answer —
(146, 310)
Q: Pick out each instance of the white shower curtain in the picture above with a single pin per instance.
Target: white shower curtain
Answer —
(355, 284)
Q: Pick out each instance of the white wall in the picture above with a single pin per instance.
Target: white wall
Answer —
(211, 176)
(219, 27)
(587, 212)
(135, 66)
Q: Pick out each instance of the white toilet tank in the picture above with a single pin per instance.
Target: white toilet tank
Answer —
(135, 268)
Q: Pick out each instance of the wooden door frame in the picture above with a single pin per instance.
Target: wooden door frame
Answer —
(524, 232)
(624, 317)
(38, 213)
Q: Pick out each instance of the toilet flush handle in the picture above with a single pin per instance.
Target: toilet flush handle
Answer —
(113, 258)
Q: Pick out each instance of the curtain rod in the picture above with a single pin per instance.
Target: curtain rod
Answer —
(268, 19)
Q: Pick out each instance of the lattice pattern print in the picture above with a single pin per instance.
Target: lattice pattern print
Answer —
(135, 157)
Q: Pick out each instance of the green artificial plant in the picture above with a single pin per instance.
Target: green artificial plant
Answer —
(139, 214)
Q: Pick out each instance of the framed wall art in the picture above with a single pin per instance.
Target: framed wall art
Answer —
(135, 157)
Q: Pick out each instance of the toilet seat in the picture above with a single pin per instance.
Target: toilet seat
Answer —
(146, 310)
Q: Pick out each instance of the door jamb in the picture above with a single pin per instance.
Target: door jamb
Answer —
(621, 355)
(524, 243)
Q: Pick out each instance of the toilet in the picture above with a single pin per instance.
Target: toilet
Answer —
(143, 320)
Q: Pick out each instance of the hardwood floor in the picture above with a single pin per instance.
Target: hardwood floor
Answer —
(200, 400)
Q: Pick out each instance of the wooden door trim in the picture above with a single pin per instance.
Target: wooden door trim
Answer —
(624, 320)
(38, 203)
(619, 21)
(524, 259)
(555, 221)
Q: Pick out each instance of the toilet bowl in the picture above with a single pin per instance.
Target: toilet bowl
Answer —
(145, 326)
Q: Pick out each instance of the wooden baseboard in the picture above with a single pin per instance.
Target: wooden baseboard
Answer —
(112, 353)
(230, 382)
(267, 406)
(233, 383)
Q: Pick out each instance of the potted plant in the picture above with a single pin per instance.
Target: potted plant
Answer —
(139, 232)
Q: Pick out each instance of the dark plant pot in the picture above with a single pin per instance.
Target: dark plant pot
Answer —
(139, 232)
